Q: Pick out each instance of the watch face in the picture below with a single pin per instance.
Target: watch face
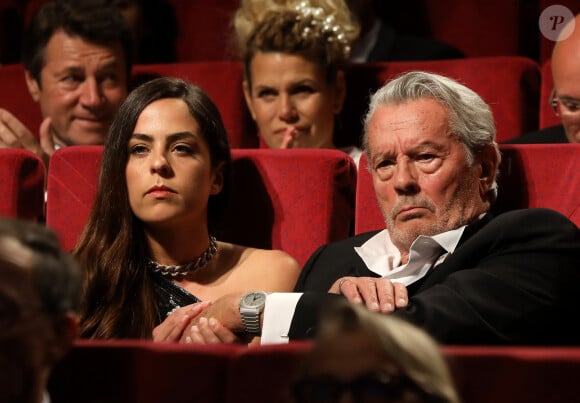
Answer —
(254, 299)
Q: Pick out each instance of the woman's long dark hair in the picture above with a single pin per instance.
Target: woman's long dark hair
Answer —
(118, 299)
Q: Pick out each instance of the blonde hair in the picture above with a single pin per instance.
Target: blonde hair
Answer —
(409, 348)
(323, 30)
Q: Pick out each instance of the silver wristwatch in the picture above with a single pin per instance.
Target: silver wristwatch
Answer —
(251, 306)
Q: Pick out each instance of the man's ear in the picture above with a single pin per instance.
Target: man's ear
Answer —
(339, 92)
(488, 161)
(33, 86)
(218, 179)
(248, 97)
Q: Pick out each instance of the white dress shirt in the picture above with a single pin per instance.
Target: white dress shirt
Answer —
(382, 257)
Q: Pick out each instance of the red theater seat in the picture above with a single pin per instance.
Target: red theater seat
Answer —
(135, 371)
(540, 175)
(515, 374)
(531, 175)
(276, 366)
(204, 29)
(510, 85)
(22, 184)
(15, 98)
(294, 200)
(73, 177)
(477, 28)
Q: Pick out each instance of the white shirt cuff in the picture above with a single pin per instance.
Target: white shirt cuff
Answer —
(278, 314)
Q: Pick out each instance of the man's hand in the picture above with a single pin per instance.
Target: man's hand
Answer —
(218, 323)
(13, 134)
(378, 294)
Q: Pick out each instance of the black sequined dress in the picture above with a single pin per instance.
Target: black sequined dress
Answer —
(170, 295)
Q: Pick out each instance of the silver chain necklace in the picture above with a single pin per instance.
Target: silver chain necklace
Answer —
(184, 269)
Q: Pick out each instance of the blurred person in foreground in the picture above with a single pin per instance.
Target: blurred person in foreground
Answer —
(40, 287)
(372, 358)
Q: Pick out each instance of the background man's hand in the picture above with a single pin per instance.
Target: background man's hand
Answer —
(13, 134)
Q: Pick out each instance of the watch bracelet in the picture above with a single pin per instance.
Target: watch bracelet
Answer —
(252, 325)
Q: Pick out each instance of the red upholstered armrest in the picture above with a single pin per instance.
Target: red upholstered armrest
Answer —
(21, 185)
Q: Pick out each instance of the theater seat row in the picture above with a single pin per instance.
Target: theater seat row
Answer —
(145, 372)
(511, 85)
(294, 200)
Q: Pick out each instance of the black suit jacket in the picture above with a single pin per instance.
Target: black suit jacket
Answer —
(512, 279)
(395, 46)
(549, 135)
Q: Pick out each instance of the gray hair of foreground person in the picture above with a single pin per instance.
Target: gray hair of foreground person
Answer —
(408, 350)
(470, 117)
(40, 288)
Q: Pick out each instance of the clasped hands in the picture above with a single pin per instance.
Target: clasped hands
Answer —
(219, 321)
(206, 322)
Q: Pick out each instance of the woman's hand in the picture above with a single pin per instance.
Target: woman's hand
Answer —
(208, 331)
(173, 327)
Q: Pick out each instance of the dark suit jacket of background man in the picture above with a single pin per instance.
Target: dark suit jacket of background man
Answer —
(396, 46)
(549, 135)
(512, 279)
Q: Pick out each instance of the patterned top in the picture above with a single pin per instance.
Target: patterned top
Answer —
(170, 296)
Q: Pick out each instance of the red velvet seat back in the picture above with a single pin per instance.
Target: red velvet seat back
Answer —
(531, 175)
(73, 177)
(15, 98)
(515, 374)
(277, 367)
(477, 28)
(223, 83)
(21, 185)
(510, 85)
(141, 372)
(541, 175)
(294, 200)
(204, 31)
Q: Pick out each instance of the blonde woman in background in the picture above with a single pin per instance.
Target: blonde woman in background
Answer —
(293, 54)
(373, 358)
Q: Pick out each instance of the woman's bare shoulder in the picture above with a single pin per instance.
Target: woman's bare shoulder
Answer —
(274, 269)
(275, 257)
